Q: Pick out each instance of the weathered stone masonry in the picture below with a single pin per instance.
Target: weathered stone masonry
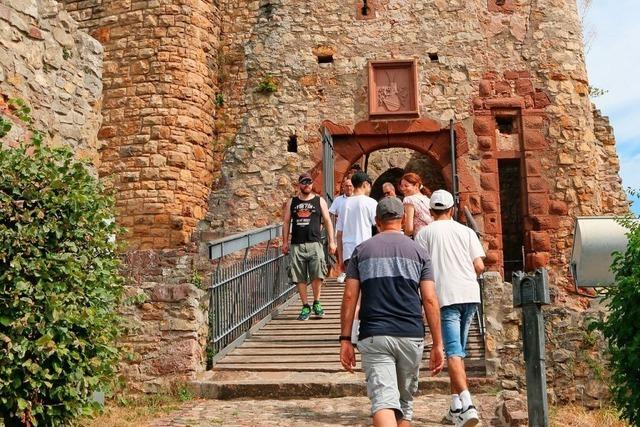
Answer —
(188, 164)
(56, 69)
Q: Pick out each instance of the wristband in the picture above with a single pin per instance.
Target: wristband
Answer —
(344, 338)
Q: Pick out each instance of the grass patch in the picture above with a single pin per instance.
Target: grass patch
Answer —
(135, 411)
(577, 416)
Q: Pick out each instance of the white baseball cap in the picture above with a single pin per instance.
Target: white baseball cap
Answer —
(441, 200)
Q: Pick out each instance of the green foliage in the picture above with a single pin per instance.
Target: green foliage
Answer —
(66, 53)
(267, 85)
(21, 109)
(5, 127)
(596, 92)
(59, 284)
(219, 100)
(620, 328)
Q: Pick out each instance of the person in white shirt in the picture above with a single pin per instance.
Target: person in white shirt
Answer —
(357, 216)
(334, 210)
(456, 255)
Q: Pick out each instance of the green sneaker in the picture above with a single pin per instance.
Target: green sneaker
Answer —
(305, 312)
(317, 309)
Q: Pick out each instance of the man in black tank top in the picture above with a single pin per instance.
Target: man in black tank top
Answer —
(304, 214)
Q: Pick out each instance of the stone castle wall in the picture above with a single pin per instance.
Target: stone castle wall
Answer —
(160, 79)
(56, 69)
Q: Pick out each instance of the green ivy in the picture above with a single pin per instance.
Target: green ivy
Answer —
(219, 100)
(59, 284)
(267, 85)
(620, 328)
(5, 126)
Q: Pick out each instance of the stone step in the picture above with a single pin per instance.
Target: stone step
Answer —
(291, 385)
(288, 358)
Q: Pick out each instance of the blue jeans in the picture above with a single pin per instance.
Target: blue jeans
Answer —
(455, 321)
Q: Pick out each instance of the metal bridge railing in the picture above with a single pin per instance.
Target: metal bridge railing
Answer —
(248, 289)
(471, 223)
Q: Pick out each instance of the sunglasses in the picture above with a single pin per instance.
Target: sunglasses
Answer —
(306, 182)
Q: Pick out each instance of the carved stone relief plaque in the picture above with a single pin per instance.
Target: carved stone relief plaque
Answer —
(393, 89)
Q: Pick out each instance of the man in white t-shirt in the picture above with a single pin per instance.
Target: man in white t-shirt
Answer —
(357, 217)
(334, 210)
(456, 255)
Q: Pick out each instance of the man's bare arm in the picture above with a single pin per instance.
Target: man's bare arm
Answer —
(286, 224)
(328, 224)
(432, 312)
(347, 312)
(478, 265)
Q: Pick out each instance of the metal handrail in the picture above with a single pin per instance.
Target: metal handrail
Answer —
(245, 292)
(471, 223)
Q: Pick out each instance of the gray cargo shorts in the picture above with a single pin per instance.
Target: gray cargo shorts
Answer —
(391, 366)
(307, 262)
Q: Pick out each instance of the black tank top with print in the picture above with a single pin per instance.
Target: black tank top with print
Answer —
(305, 219)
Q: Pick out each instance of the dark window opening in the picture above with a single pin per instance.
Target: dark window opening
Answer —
(433, 57)
(325, 59)
(511, 216)
(506, 125)
(500, 2)
(292, 144)
(365, 8)
(267, 9)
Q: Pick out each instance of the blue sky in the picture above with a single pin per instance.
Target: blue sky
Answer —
(613, 64)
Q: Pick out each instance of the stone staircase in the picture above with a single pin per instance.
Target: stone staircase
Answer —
(288, 358)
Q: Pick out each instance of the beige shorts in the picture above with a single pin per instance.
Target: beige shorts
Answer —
(307, 262)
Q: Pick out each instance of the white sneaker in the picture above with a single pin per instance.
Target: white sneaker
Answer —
(451, 416)
(468, 417)
(341, 277)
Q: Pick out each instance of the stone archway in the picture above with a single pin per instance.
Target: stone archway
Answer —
(425, 136)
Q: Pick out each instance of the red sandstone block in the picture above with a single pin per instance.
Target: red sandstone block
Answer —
(533, 122)
(485, 88)
(107, 132)
(511, 75)
(492, 224)
(413, 126)
(490, 202)
(541, 100)
(349, 150)
(493, 258)
(486, 143)
(489, 182)
(34, 32)
(483, 126)
(536, 185)
(367, 127)
(558, 207)
(539, 241)
(524, 87)
(473, 203)
(533, 167)
(537, 260)
(489, 165)
(502, 88)
(508, 102)
(490, 75)
(478, 103)
(538, 204)
(103, 35)
(534, 140)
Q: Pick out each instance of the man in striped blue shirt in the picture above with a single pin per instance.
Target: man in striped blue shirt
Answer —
(393, 277)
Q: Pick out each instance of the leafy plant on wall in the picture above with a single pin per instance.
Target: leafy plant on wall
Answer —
(60, 285)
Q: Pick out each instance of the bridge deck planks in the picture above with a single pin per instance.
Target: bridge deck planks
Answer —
(287, 344)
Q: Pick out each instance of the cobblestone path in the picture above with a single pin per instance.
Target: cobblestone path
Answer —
(346, 411)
